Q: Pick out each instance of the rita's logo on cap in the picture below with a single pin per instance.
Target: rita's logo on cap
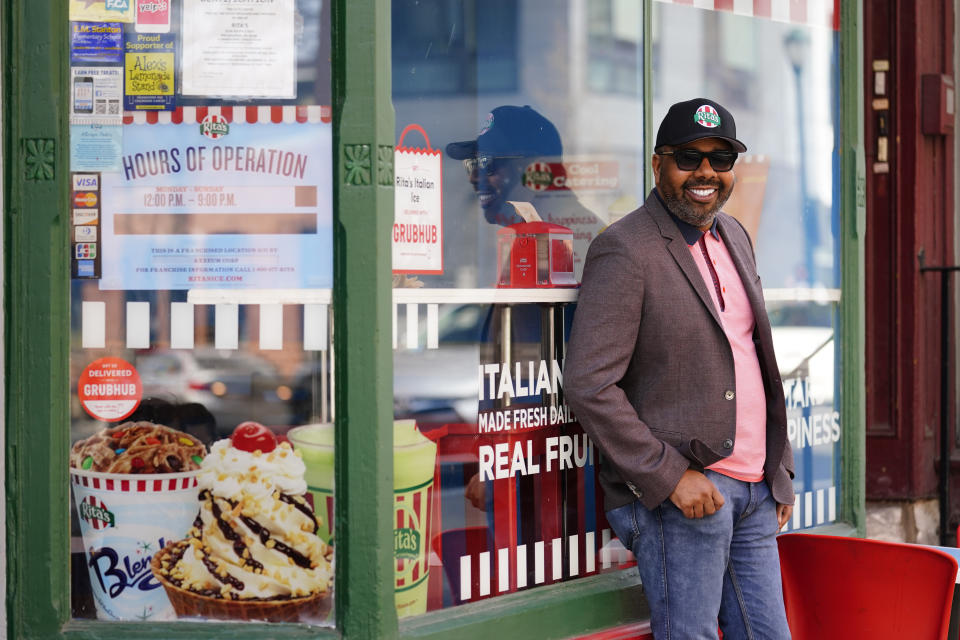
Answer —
(486, 125)
(707, 116)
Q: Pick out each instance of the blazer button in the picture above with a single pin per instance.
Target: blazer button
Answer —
(729, 395)
(728, 444)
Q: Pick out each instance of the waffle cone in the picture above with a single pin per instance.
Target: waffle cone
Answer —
(189, 604)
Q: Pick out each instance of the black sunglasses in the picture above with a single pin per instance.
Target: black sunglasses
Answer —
(484, 163)
(690, 159)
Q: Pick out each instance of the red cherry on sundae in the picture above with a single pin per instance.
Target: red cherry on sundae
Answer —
(253, 436)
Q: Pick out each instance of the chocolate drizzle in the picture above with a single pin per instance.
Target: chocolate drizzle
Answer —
(239, 547)
(226, 579)
(302, 507)
(299, 559)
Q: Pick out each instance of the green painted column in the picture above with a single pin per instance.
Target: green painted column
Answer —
(36, 252)
(852, 305)
(363, 205)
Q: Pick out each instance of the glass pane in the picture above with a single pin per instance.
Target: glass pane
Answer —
(519, 138)
(778, 77)
(201, 227)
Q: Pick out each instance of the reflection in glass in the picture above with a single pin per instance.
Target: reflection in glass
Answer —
(538, 112)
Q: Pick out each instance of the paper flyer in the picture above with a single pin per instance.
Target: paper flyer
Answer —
(100, 42)
(96, 94)
(95, 147)
(148, 71)
(418, 207)
(219, 205)
(239, 48)
(102, 10)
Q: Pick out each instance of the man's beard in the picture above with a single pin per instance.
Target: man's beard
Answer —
(693, 214)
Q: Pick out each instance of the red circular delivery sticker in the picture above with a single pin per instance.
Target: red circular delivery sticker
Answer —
(110, 389)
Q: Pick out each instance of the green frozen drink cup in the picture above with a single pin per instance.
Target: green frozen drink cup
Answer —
(315, 444)
(414, 459)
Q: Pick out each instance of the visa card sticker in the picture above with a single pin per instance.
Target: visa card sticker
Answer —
(86, 181)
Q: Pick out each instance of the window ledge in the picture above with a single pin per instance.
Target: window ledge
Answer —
(175, 630)
(561, 610)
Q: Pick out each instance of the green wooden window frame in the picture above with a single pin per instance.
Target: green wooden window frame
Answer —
(36, 188)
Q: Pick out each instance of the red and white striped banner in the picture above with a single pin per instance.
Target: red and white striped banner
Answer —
(267, 114)
(152, 484)
(818, 13)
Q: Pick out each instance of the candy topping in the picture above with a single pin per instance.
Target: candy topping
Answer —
(253, 436)
(87, 462)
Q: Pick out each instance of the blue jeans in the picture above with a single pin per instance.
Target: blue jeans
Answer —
(721, 568)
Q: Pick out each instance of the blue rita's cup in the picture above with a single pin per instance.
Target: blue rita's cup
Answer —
(125, 519)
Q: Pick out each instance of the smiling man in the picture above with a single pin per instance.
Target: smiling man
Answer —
(671, 371)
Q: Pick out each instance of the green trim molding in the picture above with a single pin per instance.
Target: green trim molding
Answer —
(36, 315)
(852, 276)
(363, 215)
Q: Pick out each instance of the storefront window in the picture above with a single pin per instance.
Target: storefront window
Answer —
(519, 138)
(202, 244)
(536, 147)
(777, 75)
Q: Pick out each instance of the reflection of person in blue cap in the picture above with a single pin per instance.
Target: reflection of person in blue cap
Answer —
(510, 139)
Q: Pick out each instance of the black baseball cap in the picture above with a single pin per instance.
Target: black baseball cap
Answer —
(696, 119)
(511, 131)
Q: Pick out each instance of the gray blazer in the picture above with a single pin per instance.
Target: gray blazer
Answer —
(649, 371)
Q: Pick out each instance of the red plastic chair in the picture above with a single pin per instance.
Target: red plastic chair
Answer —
(851, 588)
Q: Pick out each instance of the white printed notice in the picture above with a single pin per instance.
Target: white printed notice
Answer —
(418, 209)
(96, 95)
(219, 205)
(242, 48)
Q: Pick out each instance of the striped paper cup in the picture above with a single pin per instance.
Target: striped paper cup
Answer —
(124, 520)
